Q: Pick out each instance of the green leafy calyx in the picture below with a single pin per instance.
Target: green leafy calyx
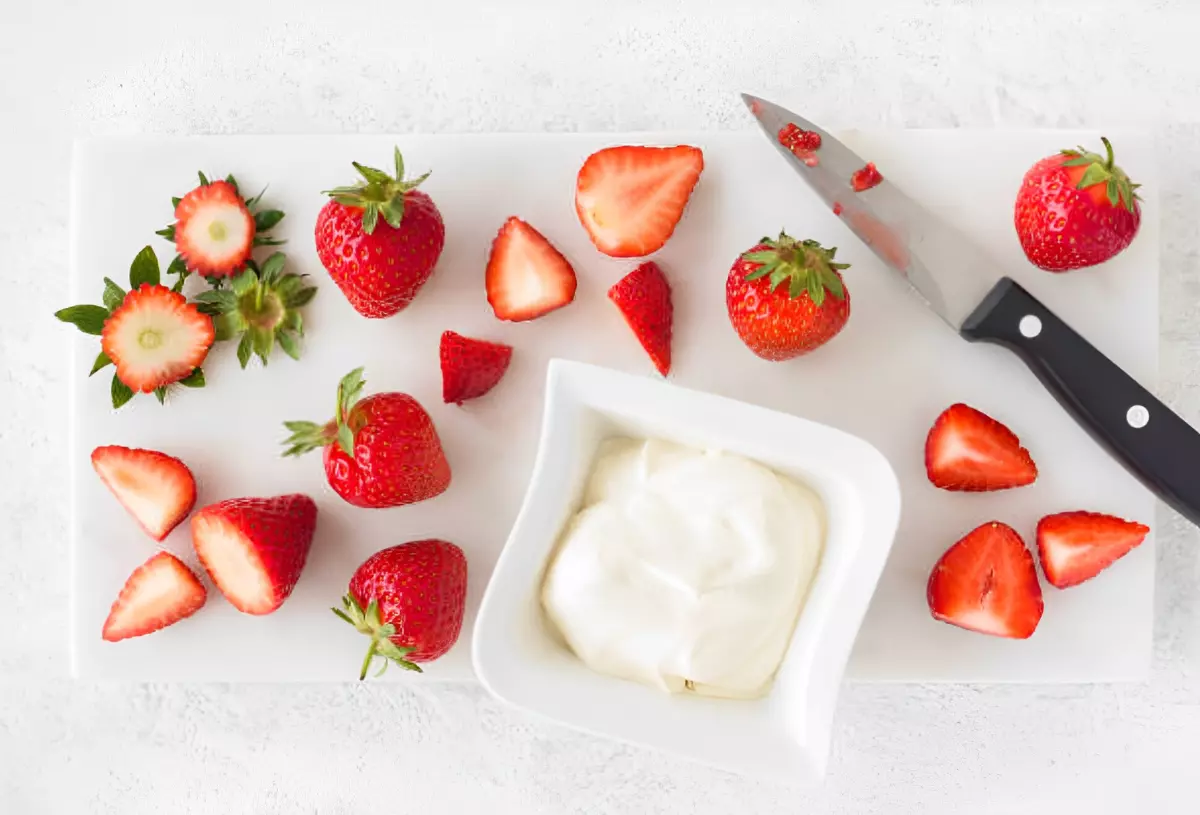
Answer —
(805, 266)
(378, 194)
(1119, 190)
(368, 621)
(307, 436)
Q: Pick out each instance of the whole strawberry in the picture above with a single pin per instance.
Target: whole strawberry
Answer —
(380, 452)
(409, 600)
(1076, 209)
(380, 240)
(786, 297)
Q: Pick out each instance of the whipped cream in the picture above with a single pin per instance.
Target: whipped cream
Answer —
(685, 569)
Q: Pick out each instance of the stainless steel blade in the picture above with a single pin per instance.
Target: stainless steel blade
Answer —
(948, 271)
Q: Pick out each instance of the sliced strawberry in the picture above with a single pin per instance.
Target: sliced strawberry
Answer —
(160, 592)
(156, 489)
(629, 198)
(644, 297)
(155, 337)
(987, 583)
(526, 276)
(1077, 546)
(254, 548)
(214, 229)
(866, 178)
(471, 368)
(969, 451)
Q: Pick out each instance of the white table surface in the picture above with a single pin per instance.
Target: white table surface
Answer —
(74, 68)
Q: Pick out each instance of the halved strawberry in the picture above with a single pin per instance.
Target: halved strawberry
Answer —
(214, 229)
(987, 583)
(644, 297)
(471, 368)
(526, 276)
(1077, 546)
(160, 592)
(629, 198)
(156, 489)
(969, 451)
(155, 337)
(254, 548)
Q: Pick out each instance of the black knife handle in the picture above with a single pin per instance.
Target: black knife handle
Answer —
(1153, 443)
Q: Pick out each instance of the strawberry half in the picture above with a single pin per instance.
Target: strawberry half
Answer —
(156, 489)
(644, 298)
(629, 198)
(987, 583)
(254, 548)
(1077, 546)
(160, 592)
(526, 276)
(969, 451)
(155, 338)
(214, 229)
(471, 368)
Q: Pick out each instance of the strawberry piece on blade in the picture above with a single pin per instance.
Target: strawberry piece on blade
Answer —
(160, 592)
(214, 229)
(155, 338)
(644, 298)
(987, 583)
(156, 489)
(471, 368)
(630, 198)
(255, 548)
(968, 451)
(526, 276)
(1077, 546)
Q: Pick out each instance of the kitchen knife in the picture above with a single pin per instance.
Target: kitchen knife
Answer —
(977, 300)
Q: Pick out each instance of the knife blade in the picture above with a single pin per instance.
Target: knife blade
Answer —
(976, 299)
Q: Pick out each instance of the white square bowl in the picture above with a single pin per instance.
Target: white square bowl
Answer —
(522, 661)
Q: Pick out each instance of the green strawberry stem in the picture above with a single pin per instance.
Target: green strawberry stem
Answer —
(1119, 190)
(805, 266)
(370, 622)
(379, 194)
(308, 436)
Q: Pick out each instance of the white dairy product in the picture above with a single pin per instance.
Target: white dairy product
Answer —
(684, 569)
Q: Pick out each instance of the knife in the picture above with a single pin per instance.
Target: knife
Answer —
(976, 299)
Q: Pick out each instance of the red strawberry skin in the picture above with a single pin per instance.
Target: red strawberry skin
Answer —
(275, 535)
(398, 457)
(470, 367)
(644, 298)
(421, 589)
(381, 273)
(987, 583)
(160, 592)
(156, 489)
(968, 451)
(1076, 546)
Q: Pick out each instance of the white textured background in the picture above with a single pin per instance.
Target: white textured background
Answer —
(70, 68)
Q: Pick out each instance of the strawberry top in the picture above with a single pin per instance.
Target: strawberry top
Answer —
(805, 266)
(1100, 177)
(379, 194)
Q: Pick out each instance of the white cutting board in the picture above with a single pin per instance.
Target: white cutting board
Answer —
(885, 378)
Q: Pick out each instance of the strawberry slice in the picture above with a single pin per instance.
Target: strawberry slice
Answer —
(644, 297)
(1077, 546)
(969, 451)
(629, 198)
(160, 592)
(156, 489)
(526, 276)
(471, 368)
(155, 337)
(214, 229)
(254, 548)
(987, 583)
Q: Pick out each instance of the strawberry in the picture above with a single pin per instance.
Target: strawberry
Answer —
(778, 321)
(409, 600)
(381, 452)
(1077, 546)
(1076, 209)
(156, 489)
(968, 451)
(987, 583)
(380, 240)
(629, 198)
(644, 298)
(160, 592)
(471, 368)
(254, 548)
(866, 178)
(526, 276)
(799, 140)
